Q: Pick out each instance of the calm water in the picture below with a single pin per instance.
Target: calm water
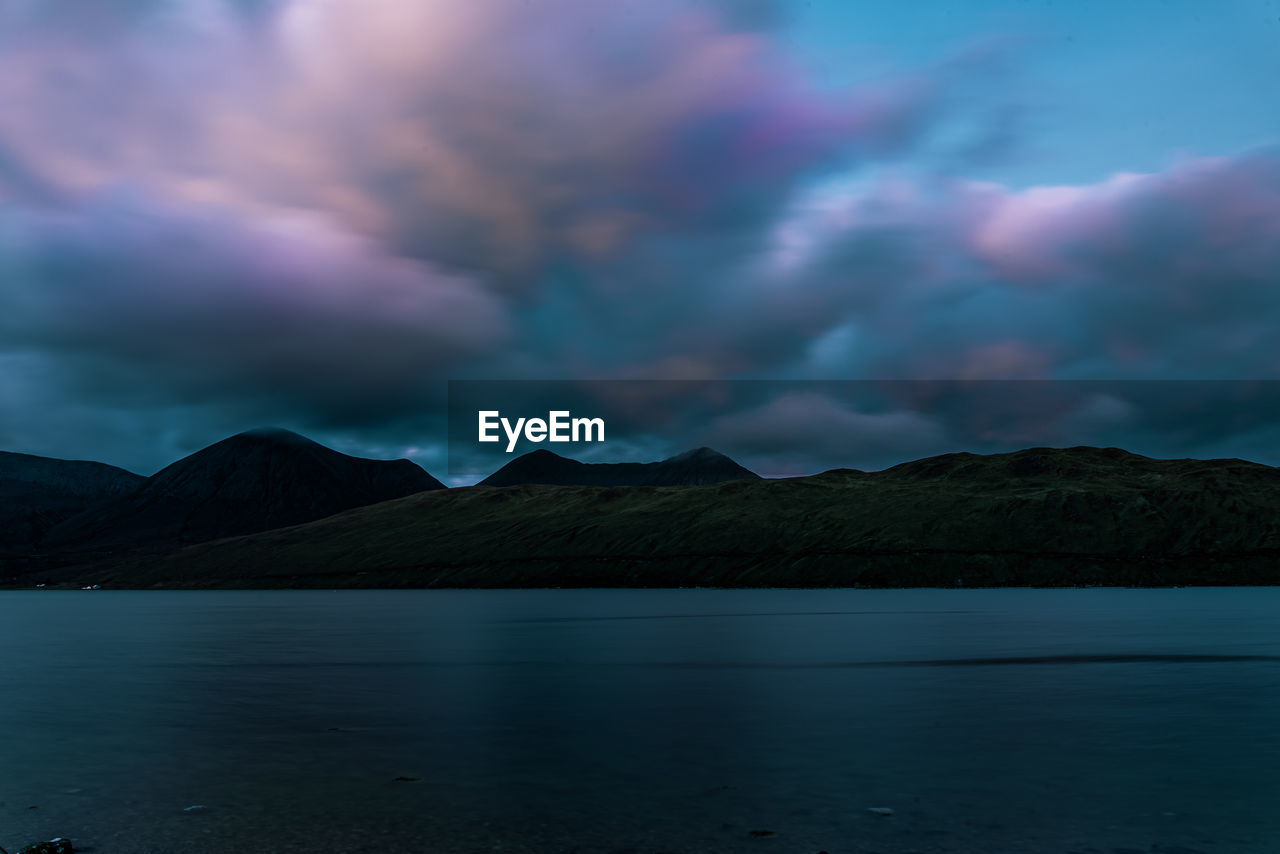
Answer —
(1113, 721)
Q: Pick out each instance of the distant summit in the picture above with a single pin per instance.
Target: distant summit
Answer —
(22, 472)
(692, 468)
(253, 481)
(1035, 463)
(36, 493)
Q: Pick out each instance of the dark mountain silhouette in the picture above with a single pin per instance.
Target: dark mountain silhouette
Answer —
(1043, 516)
(38, 492)
(250, 482)
(692, 468)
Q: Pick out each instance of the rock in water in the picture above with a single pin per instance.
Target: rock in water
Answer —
(57, 845)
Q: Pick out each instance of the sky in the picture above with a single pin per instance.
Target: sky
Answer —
(223, 214)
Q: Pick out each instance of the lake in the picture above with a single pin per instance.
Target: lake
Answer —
(1091, 720)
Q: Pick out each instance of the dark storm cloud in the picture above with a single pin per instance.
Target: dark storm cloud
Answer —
(202, 302)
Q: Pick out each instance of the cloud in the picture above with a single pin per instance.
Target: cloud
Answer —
(1170, 274)
(321, 209)
(497, 137)
(1163, 275)
(791, 431)
(203, 304)
(315, 211)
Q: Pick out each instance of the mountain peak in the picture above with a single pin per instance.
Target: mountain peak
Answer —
(542, 454)
(701, 455)
(275, 435)
(252, 481)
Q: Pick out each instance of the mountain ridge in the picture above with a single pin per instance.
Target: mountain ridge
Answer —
(38, 492)
(252, 481)
(1036, 517)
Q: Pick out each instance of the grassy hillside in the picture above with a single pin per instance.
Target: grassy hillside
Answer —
(1036, 517)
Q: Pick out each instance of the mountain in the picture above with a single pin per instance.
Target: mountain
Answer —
(692, 468)
(38, 492)
(250, 482)
(1043, 516)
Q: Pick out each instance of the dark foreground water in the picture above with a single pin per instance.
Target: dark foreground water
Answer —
(1113, 721)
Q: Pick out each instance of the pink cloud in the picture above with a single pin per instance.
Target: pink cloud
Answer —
(491, 136)
(1212, 216)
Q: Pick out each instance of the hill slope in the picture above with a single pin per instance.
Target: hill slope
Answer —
(250, 482)
(38, 492)
(1036, 517)
(692, 468)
